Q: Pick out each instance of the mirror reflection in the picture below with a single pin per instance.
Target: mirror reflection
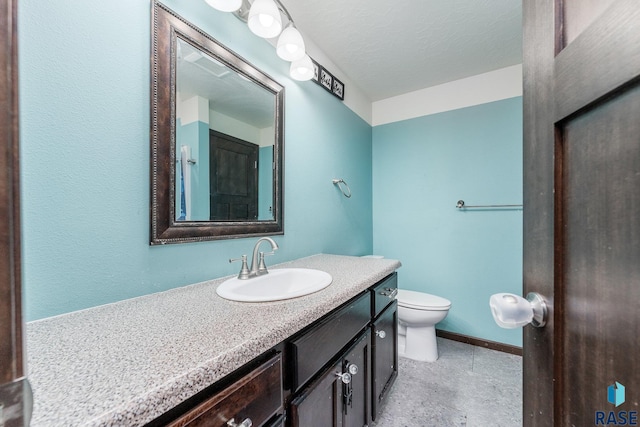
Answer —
(224, 136)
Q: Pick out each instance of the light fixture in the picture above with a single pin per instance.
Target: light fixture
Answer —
(302, 69)
(225, 5)
(290, 44)
(264, 19)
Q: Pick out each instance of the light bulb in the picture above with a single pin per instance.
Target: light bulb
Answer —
(302, 69)
(264, 19)
(225, 5)
(290, 44)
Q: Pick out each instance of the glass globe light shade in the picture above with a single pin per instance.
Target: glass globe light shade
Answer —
(225, 5)
(264, 19)
(290, 44)
(302, 69)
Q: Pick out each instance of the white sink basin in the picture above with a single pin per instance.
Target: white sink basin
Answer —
(279, 284)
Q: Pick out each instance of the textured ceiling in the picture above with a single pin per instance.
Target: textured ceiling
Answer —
(391, 47)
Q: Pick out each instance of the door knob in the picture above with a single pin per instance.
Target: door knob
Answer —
(512, 311)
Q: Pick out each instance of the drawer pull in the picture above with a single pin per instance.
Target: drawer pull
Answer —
(245, 423)
(344, 377)
(381, 334)
(391, 293)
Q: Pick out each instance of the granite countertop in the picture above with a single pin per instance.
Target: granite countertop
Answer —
(127, 363)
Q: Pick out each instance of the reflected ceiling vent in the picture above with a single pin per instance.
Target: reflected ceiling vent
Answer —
(204, 62)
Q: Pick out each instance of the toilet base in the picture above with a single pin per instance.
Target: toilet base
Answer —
(419, 344)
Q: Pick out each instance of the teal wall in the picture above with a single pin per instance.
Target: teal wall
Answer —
(421, 168)
(265, 182)
(85, 119)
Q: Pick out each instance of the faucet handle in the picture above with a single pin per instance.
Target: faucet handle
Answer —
(244, 270)
(262, 267)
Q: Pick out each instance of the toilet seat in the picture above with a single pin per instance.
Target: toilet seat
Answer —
(422, 301)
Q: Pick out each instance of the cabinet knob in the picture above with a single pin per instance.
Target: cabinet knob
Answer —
(246, 423)
(345, 377)
(352, 368)
(381, 334)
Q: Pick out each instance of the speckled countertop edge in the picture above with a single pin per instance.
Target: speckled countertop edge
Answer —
(128, 362)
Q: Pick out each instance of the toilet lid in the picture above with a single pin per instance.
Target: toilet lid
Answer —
(420, 300)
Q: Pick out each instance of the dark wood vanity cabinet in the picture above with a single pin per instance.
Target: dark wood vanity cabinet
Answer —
(335, 372)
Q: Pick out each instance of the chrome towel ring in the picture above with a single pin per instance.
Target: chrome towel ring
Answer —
(342, 185)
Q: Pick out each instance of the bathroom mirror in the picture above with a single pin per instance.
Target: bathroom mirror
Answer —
(216, 139)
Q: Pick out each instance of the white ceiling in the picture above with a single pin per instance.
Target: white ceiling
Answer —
(392, 47)
(228, 92)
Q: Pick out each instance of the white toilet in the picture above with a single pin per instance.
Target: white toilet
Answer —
(418, 314)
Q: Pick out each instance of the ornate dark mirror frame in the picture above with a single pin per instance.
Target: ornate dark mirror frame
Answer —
(167, 26)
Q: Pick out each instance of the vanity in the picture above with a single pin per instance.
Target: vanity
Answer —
(189, 357)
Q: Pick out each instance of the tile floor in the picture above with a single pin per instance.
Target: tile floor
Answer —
(467, 386)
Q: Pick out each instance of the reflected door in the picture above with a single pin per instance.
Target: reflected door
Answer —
(233, 178)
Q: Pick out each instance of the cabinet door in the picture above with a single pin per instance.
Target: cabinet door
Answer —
(357, 394)
(385, 354)
(320, 403)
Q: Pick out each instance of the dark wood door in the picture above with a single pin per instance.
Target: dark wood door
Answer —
(582, 209)
(15, 394)
(384, 355)
(233, 178)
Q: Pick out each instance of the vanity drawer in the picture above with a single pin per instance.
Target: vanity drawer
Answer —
(257, 396)
(383, 294)
(311, 351)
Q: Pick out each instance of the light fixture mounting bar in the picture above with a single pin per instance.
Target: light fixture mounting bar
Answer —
(243, 13)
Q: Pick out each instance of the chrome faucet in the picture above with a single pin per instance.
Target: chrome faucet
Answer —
(258, 267)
